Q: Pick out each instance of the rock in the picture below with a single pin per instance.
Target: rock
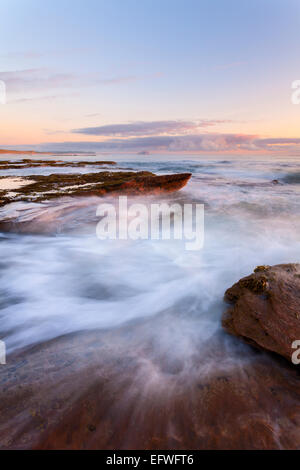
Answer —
(42, 188)
(150, 184)
(28, 163)
(265, 309)
(92, 391)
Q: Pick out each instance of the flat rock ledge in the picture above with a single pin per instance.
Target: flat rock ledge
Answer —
(38, 188)
(265, 308)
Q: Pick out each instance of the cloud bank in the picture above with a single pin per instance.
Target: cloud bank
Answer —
(176, 136)
(142, 128)
(214, 143)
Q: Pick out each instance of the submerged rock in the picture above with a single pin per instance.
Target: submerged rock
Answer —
(265, 309)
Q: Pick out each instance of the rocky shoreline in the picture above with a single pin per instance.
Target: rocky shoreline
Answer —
(28, 163)
(75, 392)
(84, 391)
(38, 188)
(108, 389)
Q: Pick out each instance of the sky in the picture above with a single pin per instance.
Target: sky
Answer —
(152, 76)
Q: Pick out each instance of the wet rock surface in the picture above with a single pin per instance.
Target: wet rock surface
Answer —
(265, 308)
(37, 188)
(93, 391)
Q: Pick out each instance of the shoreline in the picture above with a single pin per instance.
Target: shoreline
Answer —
(36, 152)
(165, 381)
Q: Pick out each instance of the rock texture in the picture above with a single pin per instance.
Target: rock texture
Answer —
(96, 390)
(42, 188)
(265, 308)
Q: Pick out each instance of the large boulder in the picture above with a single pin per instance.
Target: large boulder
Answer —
(265, 308)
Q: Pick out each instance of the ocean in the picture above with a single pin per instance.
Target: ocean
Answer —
(155, 304)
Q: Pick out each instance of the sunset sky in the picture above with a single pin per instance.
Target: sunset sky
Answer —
(200, 76)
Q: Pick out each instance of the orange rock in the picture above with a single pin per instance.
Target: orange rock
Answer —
(265, 308)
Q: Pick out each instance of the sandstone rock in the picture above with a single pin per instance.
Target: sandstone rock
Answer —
(150, 184)
(44, 187)
(265, 308)
(92, 391)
